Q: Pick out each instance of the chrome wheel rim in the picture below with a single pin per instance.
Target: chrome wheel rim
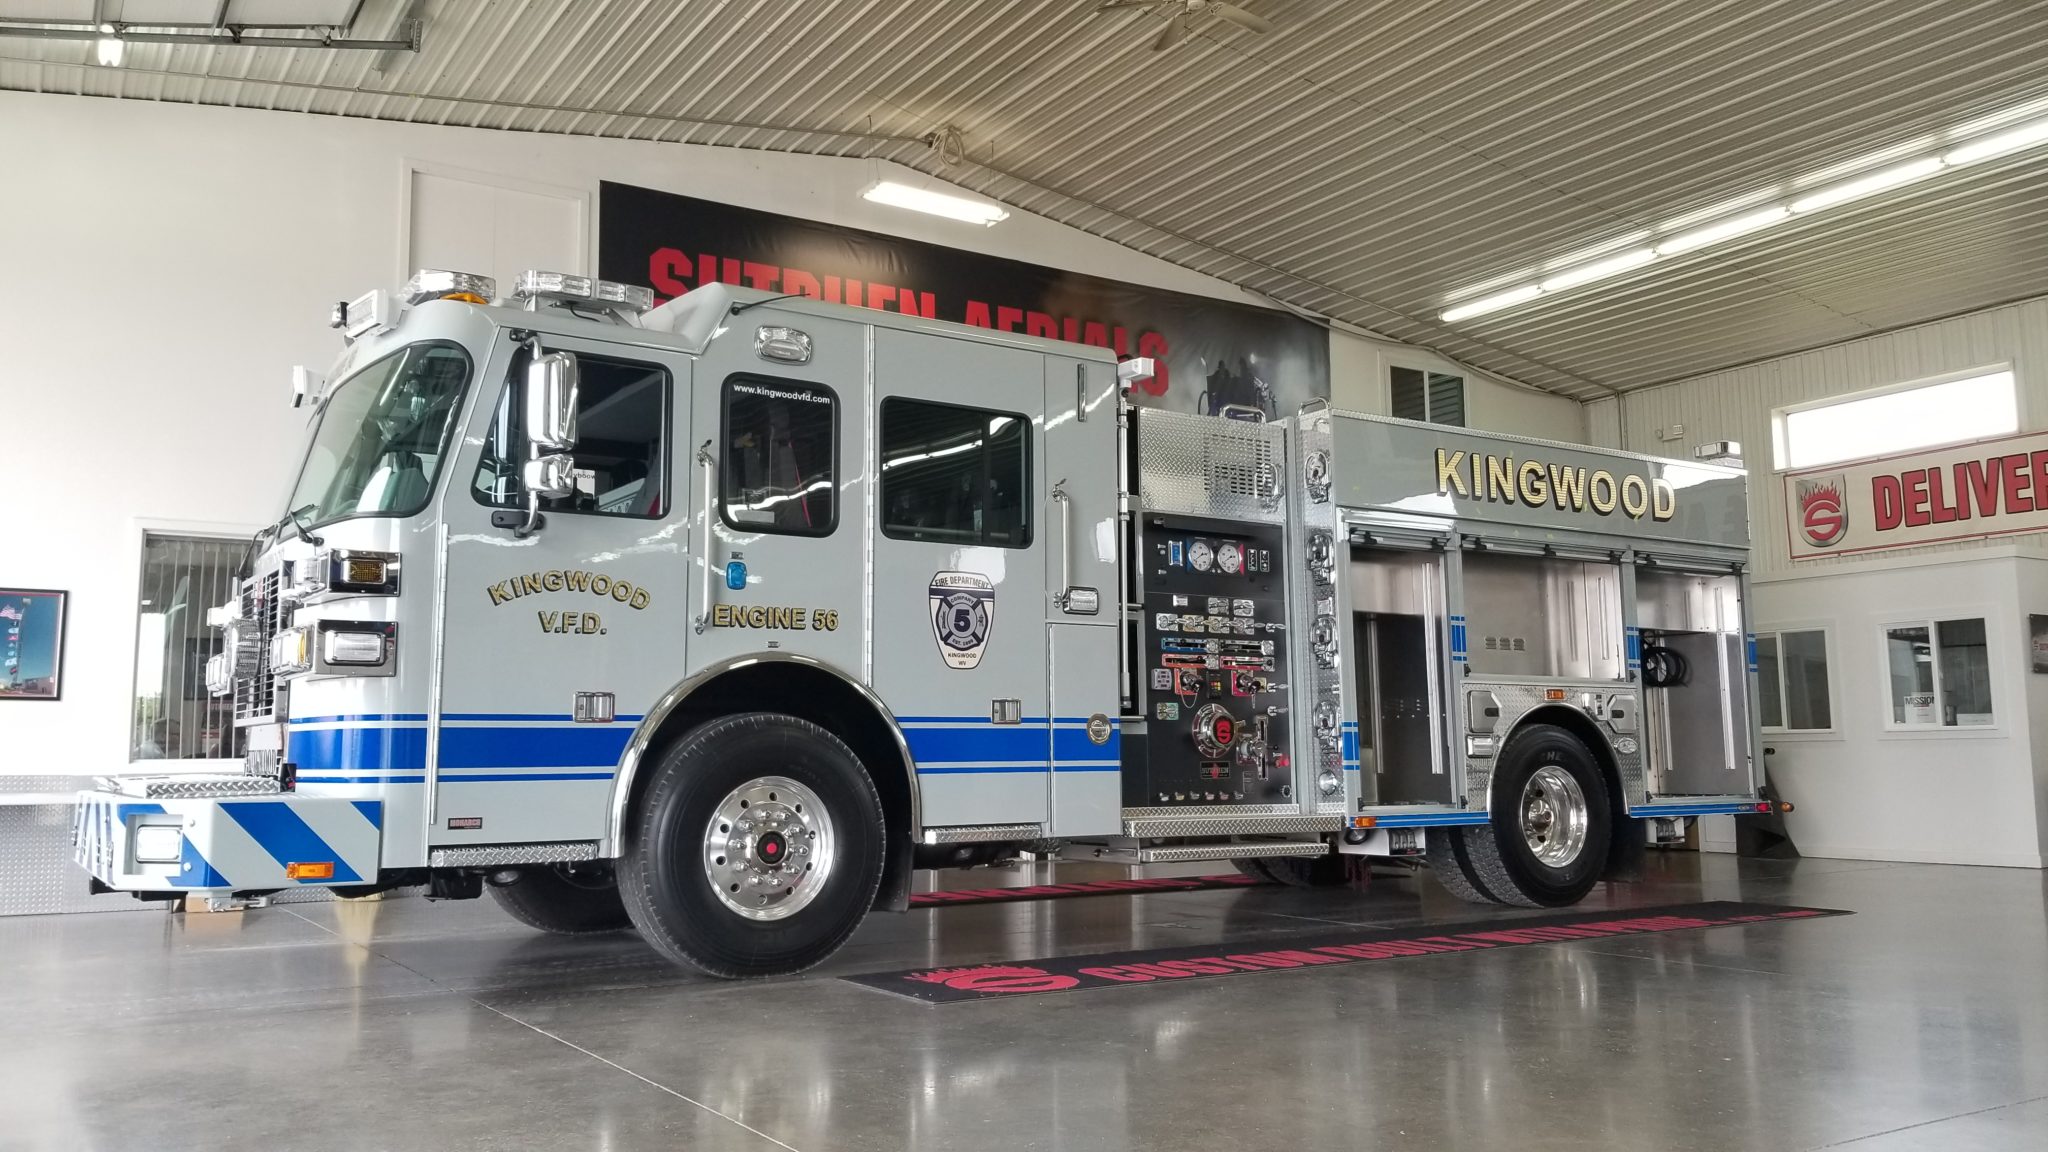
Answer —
(768, 848)
(1554, 816)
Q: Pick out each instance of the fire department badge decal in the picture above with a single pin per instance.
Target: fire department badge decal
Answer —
(1823, 520)
(963, 607)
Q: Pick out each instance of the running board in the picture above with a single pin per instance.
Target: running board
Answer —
(1183, 853)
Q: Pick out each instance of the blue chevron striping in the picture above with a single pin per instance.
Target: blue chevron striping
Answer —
(287, 837)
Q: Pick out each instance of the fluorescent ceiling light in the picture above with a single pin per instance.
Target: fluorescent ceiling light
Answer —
(1587, 273)
(1700, 237)
(1737, 217)
(1875, 182)
(937, 203)
(109, 51)
(1493, 303)
(2022, 137)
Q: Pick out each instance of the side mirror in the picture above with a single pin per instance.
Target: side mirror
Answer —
(551, 381)
(550, 475)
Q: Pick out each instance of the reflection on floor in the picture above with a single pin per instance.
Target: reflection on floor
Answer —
(1920, 1023)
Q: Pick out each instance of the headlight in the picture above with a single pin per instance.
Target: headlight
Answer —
(338, 647)
(220, 675)
(158, 843)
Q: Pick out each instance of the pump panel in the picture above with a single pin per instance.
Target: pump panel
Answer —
(1212, 665)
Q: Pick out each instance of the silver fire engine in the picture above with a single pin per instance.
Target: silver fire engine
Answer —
(719, 619)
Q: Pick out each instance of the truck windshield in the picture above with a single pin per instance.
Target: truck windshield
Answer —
(383, 437)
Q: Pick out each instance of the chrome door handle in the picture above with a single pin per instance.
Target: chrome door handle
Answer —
(709, 508)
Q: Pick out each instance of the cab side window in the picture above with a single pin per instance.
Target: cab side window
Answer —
(778, 471)
(622, 446)
(955, 475)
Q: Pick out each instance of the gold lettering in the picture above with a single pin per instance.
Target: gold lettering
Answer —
(796, 618)
(1478, 479)
(529, 585)
(721, 615)
(622, 591)
(1602, 505)
(757, 617)
(1447, 474)
(639, 598)
(547, 620)
(552, 581)
(1570, 486)
(501, 592)
(1500, 479)
(591, 624)
(1635, 496)
(1664, 502)
(600, 584)
(576, 581)
(1534, 490)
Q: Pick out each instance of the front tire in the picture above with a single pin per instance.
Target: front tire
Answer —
(579, 901)
(756, 850)
(1547, 843)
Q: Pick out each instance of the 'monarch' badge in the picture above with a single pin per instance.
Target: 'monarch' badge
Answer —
(963, 608)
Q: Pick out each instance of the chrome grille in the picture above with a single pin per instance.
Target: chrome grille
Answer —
(256, 696)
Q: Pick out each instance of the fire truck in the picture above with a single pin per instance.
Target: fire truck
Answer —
(721, 619)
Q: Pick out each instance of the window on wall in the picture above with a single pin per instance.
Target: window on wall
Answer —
(1897, 420)
(173, 717)
(1437, 397)
(954, 474)
(621, 450)
(1939, 674)
(780, 441)
(1792, 681)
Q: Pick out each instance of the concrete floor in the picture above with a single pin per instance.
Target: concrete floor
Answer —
(1920, 1023)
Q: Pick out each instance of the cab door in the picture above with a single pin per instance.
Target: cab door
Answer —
(959, 573)
(554, 644)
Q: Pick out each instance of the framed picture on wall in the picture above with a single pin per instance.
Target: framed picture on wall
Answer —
(2037, 641)
(31, 643)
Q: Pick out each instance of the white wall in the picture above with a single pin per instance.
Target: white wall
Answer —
(1359, 382)
(163, 266)
(1953, 797)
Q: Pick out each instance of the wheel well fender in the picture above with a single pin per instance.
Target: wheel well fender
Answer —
(793, 685)
(1624, 841)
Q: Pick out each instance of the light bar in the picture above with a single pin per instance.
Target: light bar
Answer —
(535, 286)
(1739, 217)
(937, 203)
(440, 284)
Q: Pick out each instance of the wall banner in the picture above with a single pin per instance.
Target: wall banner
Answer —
(1988, 488)
(1211, 353)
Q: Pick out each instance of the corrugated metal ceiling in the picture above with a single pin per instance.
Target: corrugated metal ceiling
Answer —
(1364, 160)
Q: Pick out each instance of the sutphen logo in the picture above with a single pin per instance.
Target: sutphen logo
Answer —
(1822, 518)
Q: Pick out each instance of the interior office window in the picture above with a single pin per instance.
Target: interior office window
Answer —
(781, 448)
(173, 716)
(1792, 679)
(1897, 420)
(1939, 674)
(954, 474)
(1437, 397)
(621, 453)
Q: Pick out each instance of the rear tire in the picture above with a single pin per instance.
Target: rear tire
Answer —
(567, 902)
(756, 849)
(1548, 840)
(1447, 860)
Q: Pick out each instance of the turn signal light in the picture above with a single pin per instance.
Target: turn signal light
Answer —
(1784, 805)
(1553, 694)
(363, 569)
(311, 870)
(1364, 821)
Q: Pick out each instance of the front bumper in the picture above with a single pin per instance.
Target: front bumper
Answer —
(222, 834)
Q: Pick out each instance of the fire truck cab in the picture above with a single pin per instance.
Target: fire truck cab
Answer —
(720, 619)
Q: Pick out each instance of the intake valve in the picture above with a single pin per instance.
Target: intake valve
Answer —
(1215, 730)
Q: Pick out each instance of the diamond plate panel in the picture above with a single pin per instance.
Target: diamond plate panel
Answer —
(1229, 851)
(1232, 825)
(1206, 466)
(501, 855)
(1516, 702)
(190, 787)
(983, 833)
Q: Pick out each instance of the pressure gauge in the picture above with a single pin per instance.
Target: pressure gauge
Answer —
(1230, 558)
(1201, 557)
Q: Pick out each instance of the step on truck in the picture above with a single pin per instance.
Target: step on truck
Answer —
(720, 619)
